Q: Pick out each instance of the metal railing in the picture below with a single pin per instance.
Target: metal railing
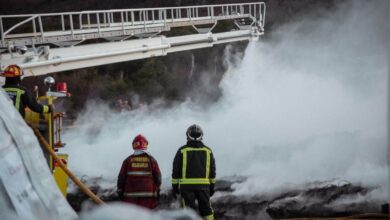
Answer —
(33, 29)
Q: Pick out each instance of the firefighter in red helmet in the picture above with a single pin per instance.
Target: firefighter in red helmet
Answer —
(139, 179)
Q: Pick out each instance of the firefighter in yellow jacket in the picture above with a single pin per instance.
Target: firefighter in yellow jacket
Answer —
(193, 174)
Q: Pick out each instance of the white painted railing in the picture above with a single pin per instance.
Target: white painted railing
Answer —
(35, 29)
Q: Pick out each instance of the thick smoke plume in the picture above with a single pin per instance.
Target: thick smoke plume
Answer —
(309, 104)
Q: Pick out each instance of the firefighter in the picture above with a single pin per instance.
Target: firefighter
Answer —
(18, 94)
(139, 179)
(193, 173)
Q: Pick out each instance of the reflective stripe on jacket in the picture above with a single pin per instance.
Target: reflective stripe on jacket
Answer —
(139, 177)
(21, 98)
(194, 166)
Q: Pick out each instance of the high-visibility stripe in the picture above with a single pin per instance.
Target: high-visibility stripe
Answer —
(175, 181)
(207, 164)
(212, 181)
(19, 93)
(184, 167)
(209, 217)
(139, 173)
(196, 149)
(194, 181)
(45, 109)
(141, 194)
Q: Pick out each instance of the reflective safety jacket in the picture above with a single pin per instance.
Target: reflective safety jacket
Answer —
(193, 167)
(139, 177)
(21, 98)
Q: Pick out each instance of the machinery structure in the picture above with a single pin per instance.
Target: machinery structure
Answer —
(47, 43)
(50, 126)
(53, 42)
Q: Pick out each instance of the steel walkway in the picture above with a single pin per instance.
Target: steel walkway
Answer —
(47, 41)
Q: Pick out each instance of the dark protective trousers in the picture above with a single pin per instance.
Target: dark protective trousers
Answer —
(203, 197)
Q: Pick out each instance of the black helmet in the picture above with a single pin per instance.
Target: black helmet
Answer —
(194, 133)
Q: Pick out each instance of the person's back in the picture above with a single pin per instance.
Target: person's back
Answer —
(139, 179)
(193, 173)
(18, 94)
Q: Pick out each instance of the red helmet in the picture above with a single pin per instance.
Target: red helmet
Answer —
(12, 71)
(140, 143)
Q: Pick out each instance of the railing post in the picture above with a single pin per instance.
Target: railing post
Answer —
(144, 20)
(1, 30)
(89, 20)
(123, 24)
(41, 27)
(71, 24)
(80, 21)
(62, 22)
(132, 18)
(98, 22)
(165, 17)
(34, 26)
(255, 11)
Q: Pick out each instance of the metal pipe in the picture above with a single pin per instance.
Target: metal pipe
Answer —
(62, 23)
(71, 25)
(73, 177)
(98, 23)
(1, 30)
(58, 61)
(123, 24)
(41, 27)
(80, 22)
(34, 27)
(89, 20)
(19, 24)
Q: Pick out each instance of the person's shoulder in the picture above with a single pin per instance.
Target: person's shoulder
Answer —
(182, 147)
(16, 86)
(152, 158)
(208, 148)
(127, 159)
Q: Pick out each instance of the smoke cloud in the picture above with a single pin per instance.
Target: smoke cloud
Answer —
(309, 104)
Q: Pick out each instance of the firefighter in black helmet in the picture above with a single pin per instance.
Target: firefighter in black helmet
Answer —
(193, 174)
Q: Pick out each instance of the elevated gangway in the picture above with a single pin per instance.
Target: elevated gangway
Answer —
(46, 43)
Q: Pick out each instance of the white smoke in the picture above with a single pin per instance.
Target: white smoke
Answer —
(310, 104)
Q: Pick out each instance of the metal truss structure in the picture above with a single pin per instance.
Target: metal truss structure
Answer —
(47, 43)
